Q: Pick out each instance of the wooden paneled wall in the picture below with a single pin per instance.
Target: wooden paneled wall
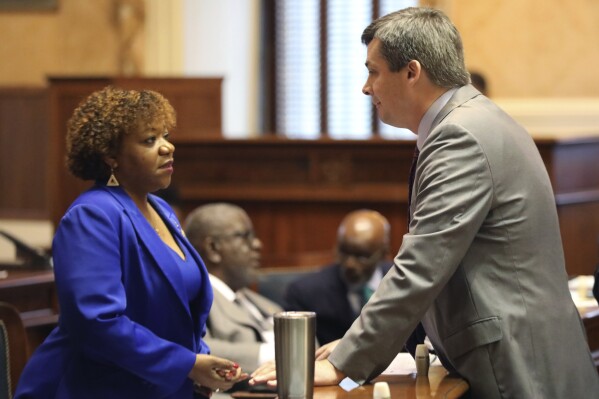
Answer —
(296, 191)
(23, 152)
(571, 164)
(197, 102)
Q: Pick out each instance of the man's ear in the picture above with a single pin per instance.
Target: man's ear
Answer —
(414, 70)
(211, 250)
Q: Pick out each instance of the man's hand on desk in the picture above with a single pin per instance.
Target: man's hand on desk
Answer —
(324, 374)
(324, 351)
(265, 374)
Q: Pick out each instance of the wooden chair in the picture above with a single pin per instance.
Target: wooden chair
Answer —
(14, 350)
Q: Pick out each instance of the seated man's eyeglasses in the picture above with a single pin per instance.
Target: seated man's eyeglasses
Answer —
(248, 235)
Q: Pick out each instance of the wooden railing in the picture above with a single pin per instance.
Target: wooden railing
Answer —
(296, 191)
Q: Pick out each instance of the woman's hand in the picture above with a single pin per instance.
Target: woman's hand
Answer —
(324, 351)
(216, 373)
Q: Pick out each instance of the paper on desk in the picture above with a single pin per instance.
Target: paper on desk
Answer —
(581, 289)
(404, 364)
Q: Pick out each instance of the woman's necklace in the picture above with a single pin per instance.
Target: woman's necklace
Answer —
(157, 227)
(152, 220)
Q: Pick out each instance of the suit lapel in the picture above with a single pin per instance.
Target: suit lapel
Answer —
(463, 94)
(152, 242)
(338, 296)
(236, 313)
(204, 301)
(265, 306)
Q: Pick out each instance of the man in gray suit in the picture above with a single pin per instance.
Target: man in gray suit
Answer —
(240, 323)
(482, 264)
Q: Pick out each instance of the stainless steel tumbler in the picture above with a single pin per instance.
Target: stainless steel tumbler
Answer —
(294, 354)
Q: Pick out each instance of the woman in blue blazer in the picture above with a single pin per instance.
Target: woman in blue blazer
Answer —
(133, 293)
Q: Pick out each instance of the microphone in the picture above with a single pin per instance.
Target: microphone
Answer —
(33, 257)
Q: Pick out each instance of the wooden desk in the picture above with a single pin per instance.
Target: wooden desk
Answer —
(33, 293)
(438, 385)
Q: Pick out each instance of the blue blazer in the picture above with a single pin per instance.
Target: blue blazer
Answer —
(126, 328)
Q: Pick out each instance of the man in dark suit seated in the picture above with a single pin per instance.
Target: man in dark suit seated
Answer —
(337, 292)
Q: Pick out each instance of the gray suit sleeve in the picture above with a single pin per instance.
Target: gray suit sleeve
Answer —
(453, 193)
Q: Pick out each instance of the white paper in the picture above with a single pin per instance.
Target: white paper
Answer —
(404, 364)
(348, 384)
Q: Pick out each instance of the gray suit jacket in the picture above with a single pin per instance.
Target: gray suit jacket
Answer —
(482, 266)
(233, 333)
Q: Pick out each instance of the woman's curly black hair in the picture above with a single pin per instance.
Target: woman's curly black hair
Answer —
(95, 129)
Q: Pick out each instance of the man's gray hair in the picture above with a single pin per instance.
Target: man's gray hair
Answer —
(208, 220)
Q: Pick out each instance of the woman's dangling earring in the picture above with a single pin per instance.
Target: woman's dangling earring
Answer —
(112, 181)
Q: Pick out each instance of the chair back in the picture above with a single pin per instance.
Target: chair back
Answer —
(272, 282)
(13, 349)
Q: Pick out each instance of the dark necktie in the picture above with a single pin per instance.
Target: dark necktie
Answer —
(418, 335)
(411, 180)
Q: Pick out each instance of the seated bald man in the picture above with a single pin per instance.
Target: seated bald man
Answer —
(240, 325)
(337, 292)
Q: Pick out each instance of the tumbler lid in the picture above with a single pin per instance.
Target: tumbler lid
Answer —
(294, 315)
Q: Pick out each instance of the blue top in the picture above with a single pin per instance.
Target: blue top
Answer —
(189, 271)
(127, 328)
